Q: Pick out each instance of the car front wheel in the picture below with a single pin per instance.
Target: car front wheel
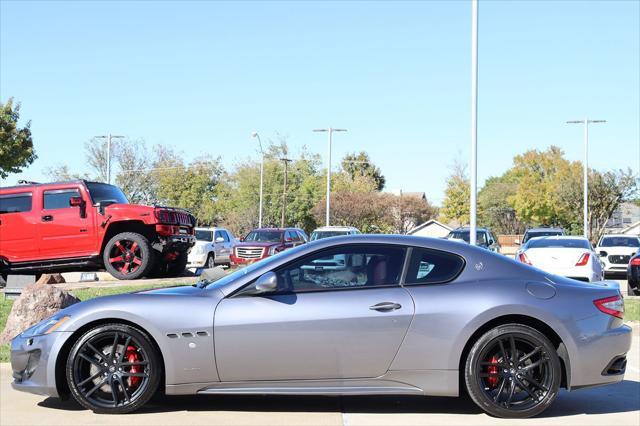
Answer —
(513, 371)
(113, 369)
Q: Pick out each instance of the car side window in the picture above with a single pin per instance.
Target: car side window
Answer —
(59, 198)
(15, 203)
(429, 266)
(292, 235)
(346, 267)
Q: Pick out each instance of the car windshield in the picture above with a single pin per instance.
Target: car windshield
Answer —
(620, 242)
(318, 235)
(558, 243)
(264, 236)
(464, 235)
(204, 235)
(101, 192)
(533, 234)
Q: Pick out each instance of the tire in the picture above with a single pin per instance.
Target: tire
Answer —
(210, 262)
(523, 389)
(128, 256)
(632, 291)
(177, 267)
(100, 373)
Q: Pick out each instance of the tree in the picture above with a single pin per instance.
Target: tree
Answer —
(361, 165)
(408, 211)
(16, 145)
(455, 206)
(494, 208)
(61, 172)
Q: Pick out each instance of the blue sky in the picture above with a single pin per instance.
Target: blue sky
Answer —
(203, 75)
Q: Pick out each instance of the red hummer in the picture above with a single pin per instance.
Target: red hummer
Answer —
(69, 226)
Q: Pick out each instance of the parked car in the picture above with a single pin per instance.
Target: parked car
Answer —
(539, 232)
(265, 242)
(333, 231)
(633, 276)
(484, 237)
(69, 226)
(571, 257)
(213, 247)
(616, 251)
(415, 316)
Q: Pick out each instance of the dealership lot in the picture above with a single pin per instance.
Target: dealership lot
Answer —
(618, 404)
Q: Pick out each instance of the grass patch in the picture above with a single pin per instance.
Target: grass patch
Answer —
(82, 294)
(632, 309)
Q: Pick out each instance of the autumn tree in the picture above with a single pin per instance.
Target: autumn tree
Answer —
(360, 164)
(455, 206)
(16, 144)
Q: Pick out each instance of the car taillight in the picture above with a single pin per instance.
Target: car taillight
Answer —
(613, 305)
(524, 259)
(635, 261)
(583, 259)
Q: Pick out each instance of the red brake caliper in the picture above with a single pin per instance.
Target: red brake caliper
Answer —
(493, 371)
(132, 356)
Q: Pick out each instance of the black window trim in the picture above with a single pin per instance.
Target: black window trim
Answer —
(240, 291)
(408, 260)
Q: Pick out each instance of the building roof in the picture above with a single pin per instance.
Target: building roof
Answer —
(428, 223)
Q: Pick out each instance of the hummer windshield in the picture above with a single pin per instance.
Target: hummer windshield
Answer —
(101, 192)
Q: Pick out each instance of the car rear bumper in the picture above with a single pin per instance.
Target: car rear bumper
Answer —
(633, 276)
(600, 358)
(33, 362)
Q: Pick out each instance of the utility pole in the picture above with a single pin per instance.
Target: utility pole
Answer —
(109, 137)
(330, 130)
(286, 162)
(257, 136)
(585, 177)
(474, 123)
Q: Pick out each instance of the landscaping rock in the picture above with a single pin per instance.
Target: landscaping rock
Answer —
(51, 279)
(37, 302)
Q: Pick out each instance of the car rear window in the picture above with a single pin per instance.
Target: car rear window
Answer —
(535, 234)
(15, 203)
(559, 243)
(433, 266)
(620, 242)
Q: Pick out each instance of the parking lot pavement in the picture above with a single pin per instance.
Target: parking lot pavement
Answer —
(610, 405)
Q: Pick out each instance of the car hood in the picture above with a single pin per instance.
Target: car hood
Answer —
(257, 244)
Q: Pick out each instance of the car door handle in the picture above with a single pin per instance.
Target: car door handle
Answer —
(385, 306)
(47, 218)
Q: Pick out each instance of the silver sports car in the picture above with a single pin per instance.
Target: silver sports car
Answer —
(341, 316)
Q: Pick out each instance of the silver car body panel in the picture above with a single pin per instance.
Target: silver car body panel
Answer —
(214, 340)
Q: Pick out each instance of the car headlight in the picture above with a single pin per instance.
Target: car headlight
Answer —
(46, 326)
(199, 250)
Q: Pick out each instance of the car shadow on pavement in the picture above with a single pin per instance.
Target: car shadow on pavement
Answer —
(619, 398)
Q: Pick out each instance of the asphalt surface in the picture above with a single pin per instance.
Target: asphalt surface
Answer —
(610, 405)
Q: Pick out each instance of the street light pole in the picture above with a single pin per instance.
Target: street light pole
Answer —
(257, 136)
(108, 137)
(474, 122)
(330, 130)
(585, 177)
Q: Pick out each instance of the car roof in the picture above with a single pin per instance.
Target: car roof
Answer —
(559, 237)
(62, 182)
(544, 229)
(466, 228)
(619, 235)
(336, 228)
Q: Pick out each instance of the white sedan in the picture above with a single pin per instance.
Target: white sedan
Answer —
(571, 257)
(616, 251)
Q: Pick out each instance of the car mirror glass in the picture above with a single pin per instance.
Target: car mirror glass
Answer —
(219, 240)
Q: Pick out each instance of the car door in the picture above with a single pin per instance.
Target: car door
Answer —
(320, 323)
(63, 232)
(18, 227)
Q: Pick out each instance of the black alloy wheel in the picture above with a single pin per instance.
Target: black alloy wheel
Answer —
(113, 369)
(513, 371)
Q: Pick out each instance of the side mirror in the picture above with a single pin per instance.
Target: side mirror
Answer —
(241, 239)
(288, 239)
(219, 240)
(491, 242)
(76, 201)
(267, 283)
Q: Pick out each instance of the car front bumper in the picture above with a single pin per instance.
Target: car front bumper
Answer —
(33, 361)
(196, 260)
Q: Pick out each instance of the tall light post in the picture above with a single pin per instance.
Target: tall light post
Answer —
(585, 184)
(109, 137)
(474, 122)
(330, 130)
(257, 136)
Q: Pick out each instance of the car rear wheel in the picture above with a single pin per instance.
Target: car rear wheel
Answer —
(128, 256)
(632, 291)
(513, 371)
(113, 369)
